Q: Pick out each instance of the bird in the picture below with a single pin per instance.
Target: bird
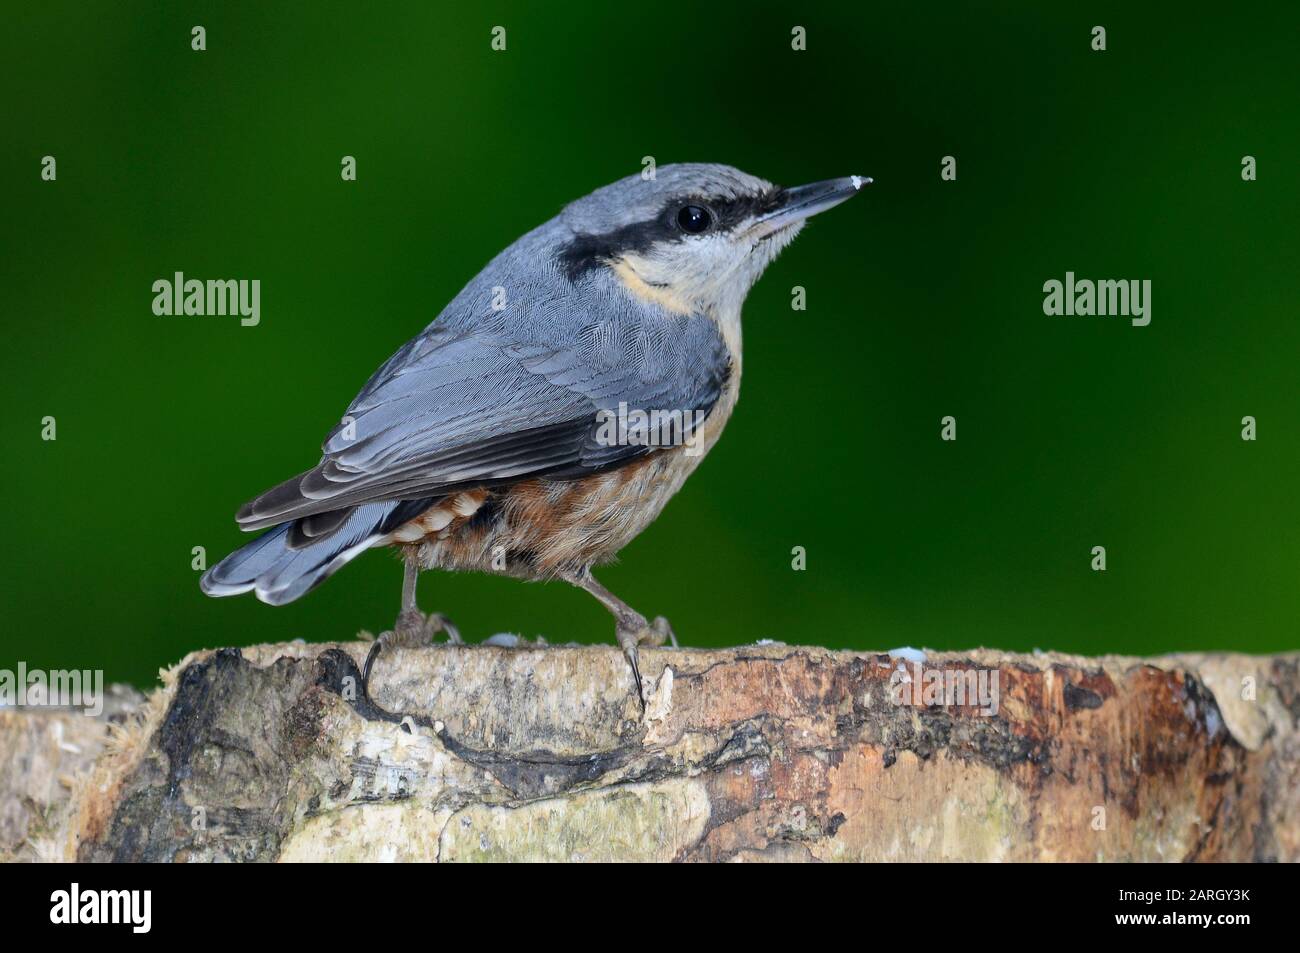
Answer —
(550, 411)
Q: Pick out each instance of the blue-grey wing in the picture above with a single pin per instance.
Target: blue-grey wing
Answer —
(501, 399)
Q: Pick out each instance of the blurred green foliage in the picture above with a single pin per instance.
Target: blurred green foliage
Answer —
(924, 300)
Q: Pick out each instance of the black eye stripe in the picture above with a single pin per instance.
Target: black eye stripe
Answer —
(587, 251)
(730, 212)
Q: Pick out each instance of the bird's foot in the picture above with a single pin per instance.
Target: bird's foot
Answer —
(413, 629)
(633, 631)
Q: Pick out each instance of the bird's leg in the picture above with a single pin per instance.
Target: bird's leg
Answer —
(631, 627)
(409, 626)
(412, 628)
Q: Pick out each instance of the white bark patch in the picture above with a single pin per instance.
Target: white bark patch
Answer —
(661, 699)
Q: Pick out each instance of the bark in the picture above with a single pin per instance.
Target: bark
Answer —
(766, 752)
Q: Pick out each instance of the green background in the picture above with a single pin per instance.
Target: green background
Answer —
(924, 299)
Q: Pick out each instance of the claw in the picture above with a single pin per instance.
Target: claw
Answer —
(633, 632)
(663, 632)
(375, 649)
(637, 681)
(437, 622)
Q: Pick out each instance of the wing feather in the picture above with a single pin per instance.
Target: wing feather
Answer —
(498, 400)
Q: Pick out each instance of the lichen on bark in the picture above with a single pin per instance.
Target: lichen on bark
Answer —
(766, 752)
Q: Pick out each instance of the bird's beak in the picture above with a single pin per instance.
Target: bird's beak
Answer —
(805, 201)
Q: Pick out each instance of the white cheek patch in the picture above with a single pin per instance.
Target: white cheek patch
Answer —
(688, 265)
(710, 272)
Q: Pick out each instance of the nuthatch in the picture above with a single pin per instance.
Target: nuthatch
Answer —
(516, 434)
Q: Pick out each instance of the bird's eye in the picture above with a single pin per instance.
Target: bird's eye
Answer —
(694, 219)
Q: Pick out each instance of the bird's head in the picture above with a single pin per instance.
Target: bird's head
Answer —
(695, 237)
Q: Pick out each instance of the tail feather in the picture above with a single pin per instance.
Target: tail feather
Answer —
(285, 563)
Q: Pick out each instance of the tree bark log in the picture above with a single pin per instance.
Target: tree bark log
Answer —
(766, 752)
